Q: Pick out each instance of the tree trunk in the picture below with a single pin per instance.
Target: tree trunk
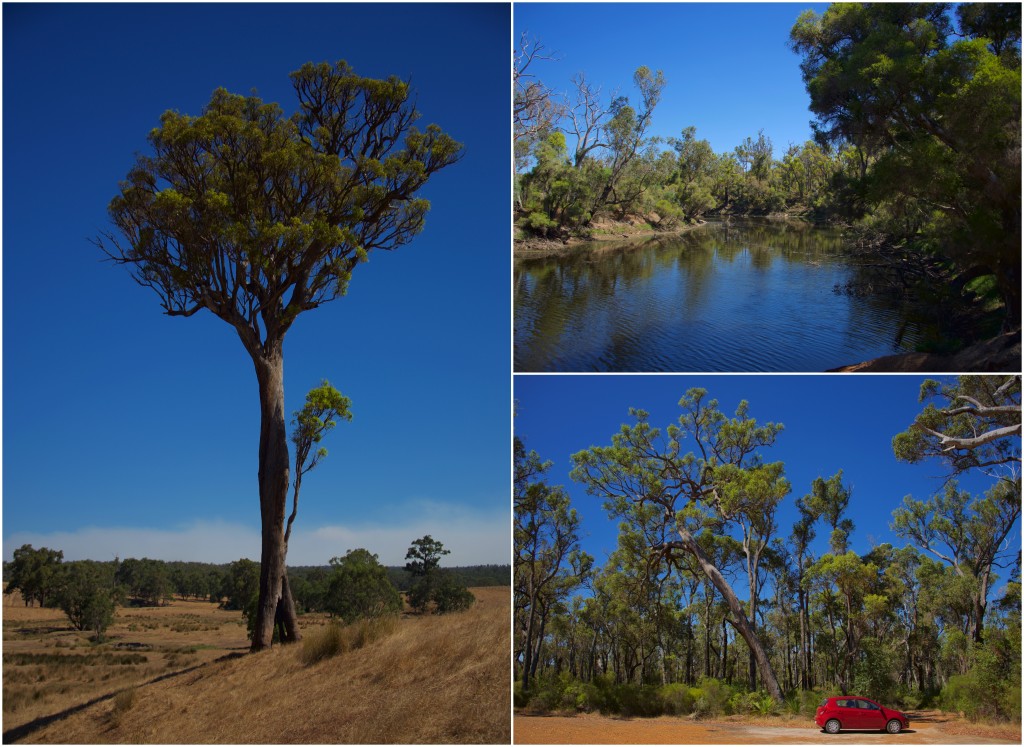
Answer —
(739, 619)
(804, 665)
(725, 648)
(540, 642)
(273, 481)
(287, 618)
(752, 604)
(528, 646)
(707, 635)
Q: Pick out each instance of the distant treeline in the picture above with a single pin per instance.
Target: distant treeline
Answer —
(38, 574)
(468, 575)
(352, 587)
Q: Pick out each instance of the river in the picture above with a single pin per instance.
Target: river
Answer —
(748, 295)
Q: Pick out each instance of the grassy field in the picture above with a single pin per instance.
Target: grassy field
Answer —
(177, 674)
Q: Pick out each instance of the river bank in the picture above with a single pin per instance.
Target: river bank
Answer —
(1001, 353)
(602, 236)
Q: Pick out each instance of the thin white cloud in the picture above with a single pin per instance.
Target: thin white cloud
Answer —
(204, 541)
(473, 538)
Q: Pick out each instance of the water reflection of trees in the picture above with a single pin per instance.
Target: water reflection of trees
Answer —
(590, 287)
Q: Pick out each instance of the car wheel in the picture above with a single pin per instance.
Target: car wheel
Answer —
(832, 726)
(893, 727)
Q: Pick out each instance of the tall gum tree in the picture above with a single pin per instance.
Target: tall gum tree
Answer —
(970, 424)
(258, 217)
(645, 479)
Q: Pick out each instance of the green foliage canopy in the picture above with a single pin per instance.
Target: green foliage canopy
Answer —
(936, 117)
(35, 573)
(257, 216)
(358, 587)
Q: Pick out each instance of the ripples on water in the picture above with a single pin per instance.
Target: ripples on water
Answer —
(752, 296)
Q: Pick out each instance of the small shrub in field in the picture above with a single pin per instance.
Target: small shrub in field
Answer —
(712, 698)
(761, 704)
(676, 699)
(451, 597)
(333, 639)
(367, 631)
(544, 695)
(557, 693)
(764, 705)
(970, 695)
(123, 703)
(804, 702)
(321, 644)
(582, 696)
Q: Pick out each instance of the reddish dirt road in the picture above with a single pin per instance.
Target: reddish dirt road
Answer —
(928, 727)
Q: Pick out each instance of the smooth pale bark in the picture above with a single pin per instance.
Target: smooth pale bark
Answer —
(949, 443)
(739, 618)
(273, 481)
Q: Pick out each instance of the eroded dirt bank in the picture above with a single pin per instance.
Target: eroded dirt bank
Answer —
(615, 235)
(1001, 353)
(926, 727)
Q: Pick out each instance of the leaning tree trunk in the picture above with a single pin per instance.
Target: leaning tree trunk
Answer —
(739, 619)
(273, 482)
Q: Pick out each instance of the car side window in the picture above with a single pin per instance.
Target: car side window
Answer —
(852, 704)
(870, 706)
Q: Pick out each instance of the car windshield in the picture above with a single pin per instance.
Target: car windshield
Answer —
(823, 703)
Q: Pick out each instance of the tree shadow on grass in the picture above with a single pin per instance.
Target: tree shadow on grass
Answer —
(20, 732)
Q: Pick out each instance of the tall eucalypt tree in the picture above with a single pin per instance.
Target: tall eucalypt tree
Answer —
(646, 480)
(257, 217)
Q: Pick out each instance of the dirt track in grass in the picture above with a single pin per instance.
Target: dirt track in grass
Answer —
(926, 727)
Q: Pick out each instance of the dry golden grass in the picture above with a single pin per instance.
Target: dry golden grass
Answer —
(434, 679)
(48, 666)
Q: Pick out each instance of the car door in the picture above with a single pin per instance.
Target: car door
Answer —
(871, 716)
(851, 713)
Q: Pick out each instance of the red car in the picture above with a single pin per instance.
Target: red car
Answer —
(847, 712)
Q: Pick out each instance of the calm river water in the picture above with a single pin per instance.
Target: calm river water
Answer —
(750, 296)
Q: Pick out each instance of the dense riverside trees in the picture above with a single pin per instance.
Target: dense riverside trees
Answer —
(704, 579)
(587, 155)
(931, 105)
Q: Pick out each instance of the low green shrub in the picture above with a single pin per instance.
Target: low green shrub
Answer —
(1010, 703)
(676, 699)
(765, 705)
(805, 702)
(713, 699)
(519, 700)
(451, 597)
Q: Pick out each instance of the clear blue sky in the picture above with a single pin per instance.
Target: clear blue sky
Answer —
(831, 423)
(129, 433)
(729, 72)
